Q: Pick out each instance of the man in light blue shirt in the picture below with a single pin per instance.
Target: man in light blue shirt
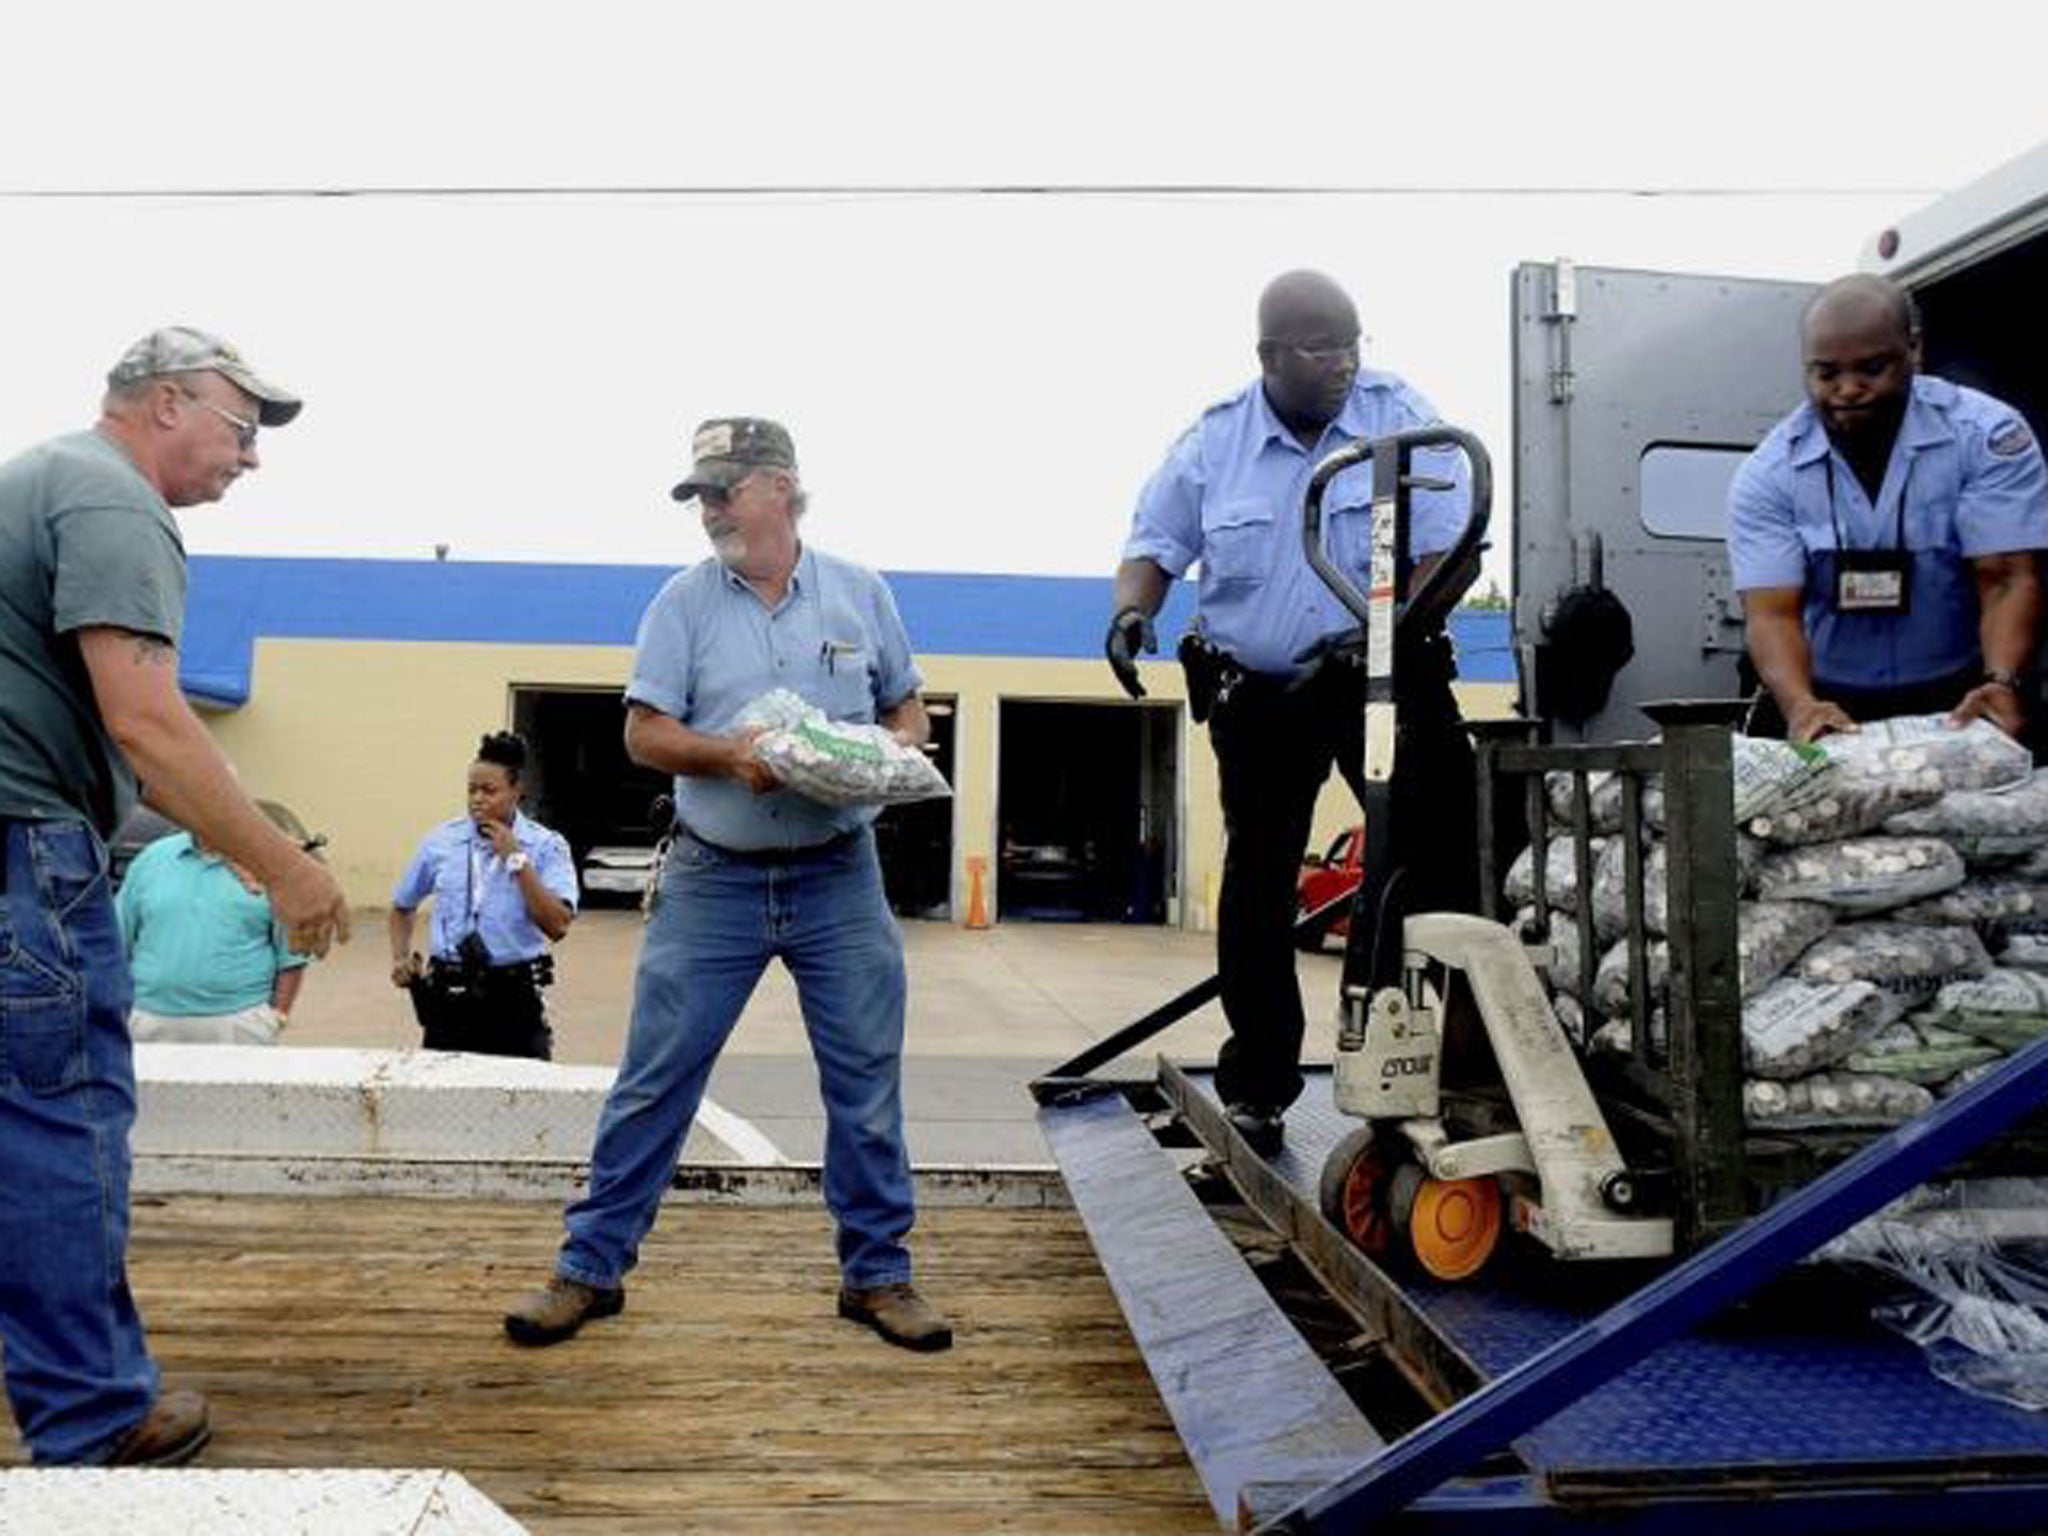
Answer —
(1885, 535)
(210, 959)
(755, 872)
(1229, 497)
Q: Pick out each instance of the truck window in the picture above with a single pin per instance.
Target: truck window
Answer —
(1622, 462)
(1683, 489)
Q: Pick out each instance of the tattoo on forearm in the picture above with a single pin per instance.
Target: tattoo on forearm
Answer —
(150, 651)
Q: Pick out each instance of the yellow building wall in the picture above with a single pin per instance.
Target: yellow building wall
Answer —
(370, 742)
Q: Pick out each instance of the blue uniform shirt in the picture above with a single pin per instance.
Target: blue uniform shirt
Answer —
(199, 941)
(1230, 495)
(709, 646)
(1973, 484)
(472, 889)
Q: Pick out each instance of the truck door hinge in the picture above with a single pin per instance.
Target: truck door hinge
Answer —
(1563, 311)
(1722, 626)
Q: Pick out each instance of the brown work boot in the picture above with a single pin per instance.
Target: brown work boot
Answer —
(555, 1311)
(170, 1434)
(898, 1314)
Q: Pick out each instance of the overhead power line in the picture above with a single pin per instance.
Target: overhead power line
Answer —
(949, 189)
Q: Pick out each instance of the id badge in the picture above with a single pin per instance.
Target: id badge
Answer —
(1874, 581)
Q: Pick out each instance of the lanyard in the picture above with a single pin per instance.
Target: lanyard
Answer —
(1899, 518)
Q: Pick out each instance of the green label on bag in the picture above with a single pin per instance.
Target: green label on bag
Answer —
(831, 744)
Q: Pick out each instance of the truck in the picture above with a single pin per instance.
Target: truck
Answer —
(1710, 1387)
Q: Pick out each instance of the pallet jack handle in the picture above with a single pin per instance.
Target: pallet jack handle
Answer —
(1373, 952)
(1392, 474)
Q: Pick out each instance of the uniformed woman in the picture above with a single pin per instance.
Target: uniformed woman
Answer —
(504, 887)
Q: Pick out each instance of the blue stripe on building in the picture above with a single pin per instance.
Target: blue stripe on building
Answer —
(235, 599)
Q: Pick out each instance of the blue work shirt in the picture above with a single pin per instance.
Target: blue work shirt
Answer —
(709, 646)
(200, 942)
(472, 889)
(1230, 495)
(1973, 484)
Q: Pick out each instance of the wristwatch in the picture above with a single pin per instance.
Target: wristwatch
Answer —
(516, 862)
(2004, 677)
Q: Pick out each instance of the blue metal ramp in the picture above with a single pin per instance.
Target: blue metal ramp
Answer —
(1631, 1406)
(1252, 1402)
(1753, 1397)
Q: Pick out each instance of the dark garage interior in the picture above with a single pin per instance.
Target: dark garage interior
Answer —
(1085, 820)
(580, 782)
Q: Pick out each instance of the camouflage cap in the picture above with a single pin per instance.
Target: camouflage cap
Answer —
(181, 349)
(727, 449)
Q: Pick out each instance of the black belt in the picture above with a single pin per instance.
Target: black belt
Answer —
(541, 968)
(771, 855)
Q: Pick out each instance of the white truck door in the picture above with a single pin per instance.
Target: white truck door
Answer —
(1636, 396)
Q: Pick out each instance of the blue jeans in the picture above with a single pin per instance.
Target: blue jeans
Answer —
(78, 1370)
(718, 920)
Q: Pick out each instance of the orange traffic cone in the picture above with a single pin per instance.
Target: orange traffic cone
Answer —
(977, 899)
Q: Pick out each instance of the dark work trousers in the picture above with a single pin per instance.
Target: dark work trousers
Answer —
(493, 1011)
(1274, 749)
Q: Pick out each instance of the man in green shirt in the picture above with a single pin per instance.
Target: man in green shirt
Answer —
(92, 590)
(211, 963)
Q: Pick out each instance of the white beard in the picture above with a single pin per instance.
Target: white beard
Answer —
(731, 550)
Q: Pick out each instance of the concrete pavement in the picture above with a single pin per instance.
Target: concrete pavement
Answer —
(989, 1009)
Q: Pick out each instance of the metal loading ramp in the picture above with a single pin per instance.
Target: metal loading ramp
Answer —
(1249, 1397)
(1782, 1418)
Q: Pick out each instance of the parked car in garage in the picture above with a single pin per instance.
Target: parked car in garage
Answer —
(616, 871)
(144, 826)
(1328, 875)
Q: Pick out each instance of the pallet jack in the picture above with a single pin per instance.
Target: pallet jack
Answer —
(1417, 1174)
(1557, 1407)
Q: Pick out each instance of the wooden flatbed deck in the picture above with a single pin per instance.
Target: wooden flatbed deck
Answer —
(363, 1332)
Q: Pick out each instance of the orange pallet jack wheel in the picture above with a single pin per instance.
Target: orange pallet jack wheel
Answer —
(1455, 1225)
(1354, 1193)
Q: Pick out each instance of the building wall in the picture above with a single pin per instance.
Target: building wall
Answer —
(369, 741)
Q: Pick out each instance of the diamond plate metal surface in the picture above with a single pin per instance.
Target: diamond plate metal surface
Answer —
(158, 1502)
(1751, 1392)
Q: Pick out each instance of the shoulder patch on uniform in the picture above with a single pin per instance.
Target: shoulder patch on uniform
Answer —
(2010, 440)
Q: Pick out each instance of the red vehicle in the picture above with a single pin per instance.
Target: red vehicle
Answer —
(1326, 876)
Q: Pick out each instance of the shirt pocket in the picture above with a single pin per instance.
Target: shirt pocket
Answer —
(846, 666)
(452, 880)
(1237, 543)
(1347, 527)
(1933, 495)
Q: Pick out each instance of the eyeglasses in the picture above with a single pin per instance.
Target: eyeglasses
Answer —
(1327, 353)
(719, 495)
(245, 430)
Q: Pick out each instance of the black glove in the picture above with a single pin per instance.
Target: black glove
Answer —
(1129, 633)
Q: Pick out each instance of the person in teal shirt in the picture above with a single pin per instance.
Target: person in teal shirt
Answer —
(211, 962)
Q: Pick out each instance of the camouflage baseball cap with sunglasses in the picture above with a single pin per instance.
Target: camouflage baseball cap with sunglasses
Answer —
(181, 349)
(727, 449)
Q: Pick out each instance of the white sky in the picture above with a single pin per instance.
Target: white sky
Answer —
(575, 231)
